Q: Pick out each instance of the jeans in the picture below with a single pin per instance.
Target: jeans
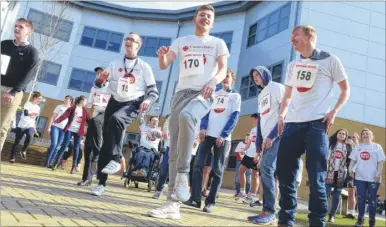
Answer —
(29, 132)
(57, 135)
(367, 190)
(143, 158)
(248, 175)
(268, 169)
(298, 138)
(336, 194)
(66, 142)
(70, 151)
(164, 171)
(218, 168)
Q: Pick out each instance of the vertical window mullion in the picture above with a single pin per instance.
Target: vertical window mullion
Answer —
(108, 41)
(94, 38)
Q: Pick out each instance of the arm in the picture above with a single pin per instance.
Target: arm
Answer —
(204, 121)
(343, 97)
(64, 116)
(104, 76)
(351, 166)
(379, 169)
(285, 101)
(30, 73)
(165, 60)
(230, 125)
(151, 90)
(222, 62)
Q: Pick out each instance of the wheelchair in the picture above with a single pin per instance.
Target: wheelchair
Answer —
(152, 174)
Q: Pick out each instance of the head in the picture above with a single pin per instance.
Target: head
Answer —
(98, 70)
(68, 100)
(154, 121)
(36, 97)
(133, 43)
(23, 29)
(261, 76)
(367, 136)
(229, 80)
(303, 38)
(340, 136)
(246, 137)
(81, 101)
(354, 137)
(254, 119)
(204, 18)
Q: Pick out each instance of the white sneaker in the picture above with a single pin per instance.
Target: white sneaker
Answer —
(249, 200)
(98, 190)
(182, 191)
(112, 167)
(170, 210)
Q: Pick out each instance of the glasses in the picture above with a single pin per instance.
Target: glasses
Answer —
(130, 40)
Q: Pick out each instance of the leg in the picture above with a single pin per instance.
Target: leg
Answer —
(351, 200)
(192, 161)
(97, 138)
(164, 171)
(316, 164)
(237, 178)
(335, 200)
(8, 113)
(54, 136)
(60, 149)
(362, 196)
(19, 135)
(29, 133)
(255, 182)
(248, 179)
(372, 195)
(75, 152)
(87, 159)
(242, 171)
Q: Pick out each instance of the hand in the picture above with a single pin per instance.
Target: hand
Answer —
(144, 106)
(49, 129)
(220, 141)
(376, 179)
(259, 163)
(256, 159)
(207, 91)
(329, 119)
(103, 76)
(162, 51)
(7, 98)
(351, 174)
(280, 124)
(267, 143)
(165, 135)
(202, 134)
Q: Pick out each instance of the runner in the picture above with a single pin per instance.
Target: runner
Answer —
(18, 63)
(269, 104)
(203, 64)
(217, 127)
(309, 84)
(130, 80)
(98, 99)
(26, 125)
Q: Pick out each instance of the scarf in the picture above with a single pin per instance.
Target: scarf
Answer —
(331, 165)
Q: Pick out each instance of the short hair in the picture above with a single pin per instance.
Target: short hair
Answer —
(204, 7)
(254, 115)
(233, 75)
(153, 117)
(28, 23)
(307, 29)
(137, 34)
(370, 132)
(36, 94)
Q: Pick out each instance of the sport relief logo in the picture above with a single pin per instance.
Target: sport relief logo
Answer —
(365, 155)
(185, 48)
(338, 154)
(131, 77)
(219, 110)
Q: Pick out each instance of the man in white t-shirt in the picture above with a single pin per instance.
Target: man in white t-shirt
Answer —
(203, 64)
(269, 104)
(26, 125)
(306, 106)
(216, 129)
(133, 90)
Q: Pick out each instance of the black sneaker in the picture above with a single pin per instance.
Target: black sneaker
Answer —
(23, 155)
(192, 203)
(84, 183)
(256, 204)
(359, 223)
(372, 223)
(208, 208)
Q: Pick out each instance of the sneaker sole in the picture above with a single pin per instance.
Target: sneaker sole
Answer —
(165, 216)
(271, 223)
(96, 194)
(109, 173)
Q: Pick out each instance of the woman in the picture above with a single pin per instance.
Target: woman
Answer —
(77, 117)
(353, 141)
(56, 130)
(368, 157)
(337, 168)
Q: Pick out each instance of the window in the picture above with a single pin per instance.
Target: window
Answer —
(247, 88)
(101, 39)
(49, 72)
(150, 45)
(41, 126)
(226, 36)
(269, 25)
(277, 72)
(46, 24)
(81, 80)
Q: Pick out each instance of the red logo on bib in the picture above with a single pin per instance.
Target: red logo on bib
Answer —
(185, 48)
(338, 154)
(131, 77)
(303, 89)
(120, 70)
(219, 110)
(365, 155)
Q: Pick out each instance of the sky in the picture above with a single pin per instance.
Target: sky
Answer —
(160, 4)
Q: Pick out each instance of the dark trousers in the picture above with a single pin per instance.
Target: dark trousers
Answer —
(118, 116)
(143, 158)
(93, 144)
(66, 142)
(29, 132)
(69, 152)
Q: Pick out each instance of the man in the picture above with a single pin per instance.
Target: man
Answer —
(18, 61)
(98, 99)
(26, 125)
(150, 138)
(309, 84)
(203, 64)
(216, 129)
(240, 153)
(269, 104)
(130, 80)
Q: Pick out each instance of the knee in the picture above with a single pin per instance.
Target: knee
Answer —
(186, 116)
(115, 120)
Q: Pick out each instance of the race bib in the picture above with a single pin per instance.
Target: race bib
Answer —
(193, 64)
(125, 85)
(4, 63)
(304, 75)
(265, 104)
(101, 99)
(220, 102)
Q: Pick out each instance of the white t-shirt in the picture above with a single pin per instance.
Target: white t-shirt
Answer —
(312, 104)
(98, 99)
(367, 157)
(240, 147)
(251, 151)
(131, 86)
(198, 60)
(59, 110)
(29, 121)
(338, 152)
(77, 120)
(152, 141)
(225, 103)
(269, 106)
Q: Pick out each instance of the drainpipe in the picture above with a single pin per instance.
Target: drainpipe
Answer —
(296, 23)
(170, 73)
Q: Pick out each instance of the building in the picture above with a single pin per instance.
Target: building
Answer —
(256, 32)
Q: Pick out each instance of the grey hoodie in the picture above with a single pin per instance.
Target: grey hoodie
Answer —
(265, 74)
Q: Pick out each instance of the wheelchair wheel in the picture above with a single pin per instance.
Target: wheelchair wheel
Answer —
(136, 184)
(127, 183)
(149, 186)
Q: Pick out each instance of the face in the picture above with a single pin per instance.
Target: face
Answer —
(367, 136)
(83, 102)
(154, 122)
(21, 31)
(257, 78)
(227, 82)
(132, 44)
(67, 101)
(341, 136)
(300, 40)
(37, 100)
(99, 71)
(254, 120)
(204, 20)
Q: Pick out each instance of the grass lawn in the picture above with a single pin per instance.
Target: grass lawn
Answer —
(302, 219)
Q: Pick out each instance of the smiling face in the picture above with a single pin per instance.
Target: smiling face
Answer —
(154, 122)
(303, 38)
(228, 81)
(21, 30)
(341, 136)
(366, 136)
(204, 20)
(132, 44)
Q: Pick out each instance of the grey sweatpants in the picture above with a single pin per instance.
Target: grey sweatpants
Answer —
(187, 109)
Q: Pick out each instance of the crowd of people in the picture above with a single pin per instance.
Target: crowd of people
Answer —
(292, 119)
